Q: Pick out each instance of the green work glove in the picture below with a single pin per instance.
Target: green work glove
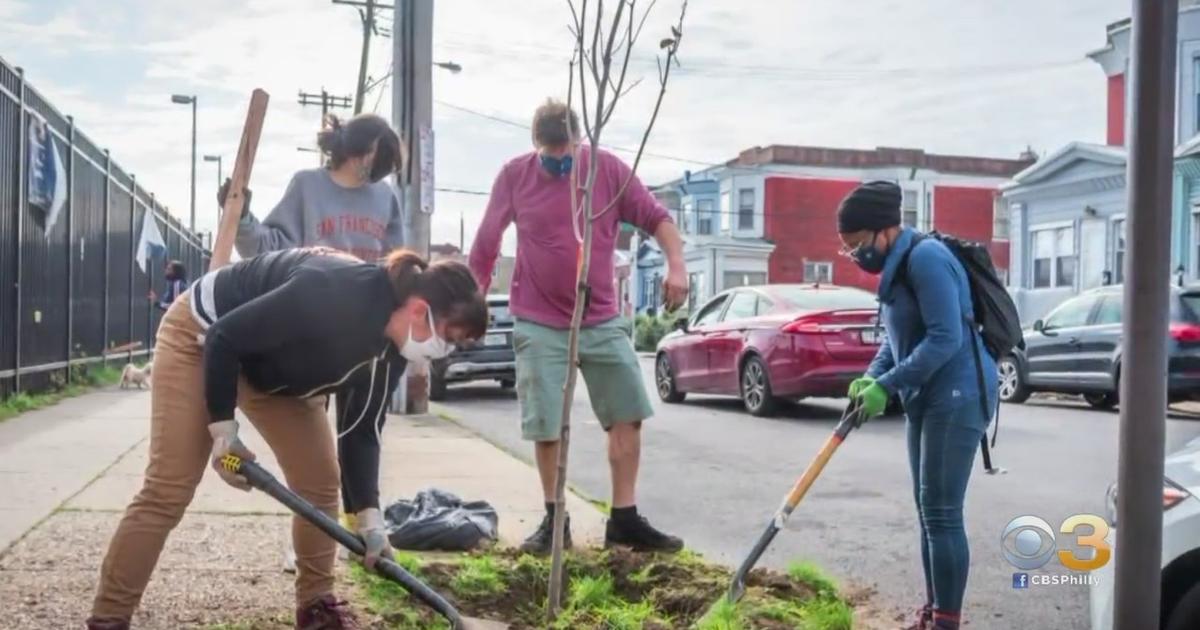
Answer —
(873, 401)
(858, 385)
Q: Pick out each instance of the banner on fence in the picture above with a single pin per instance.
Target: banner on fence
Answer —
(150, 243)
(47, 178)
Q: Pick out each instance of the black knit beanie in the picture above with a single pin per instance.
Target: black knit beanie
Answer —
(872, 206)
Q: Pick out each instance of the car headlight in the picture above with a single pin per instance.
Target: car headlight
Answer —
(1173, 494)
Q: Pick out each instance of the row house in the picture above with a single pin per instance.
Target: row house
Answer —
(1068, 211)
(769, 215)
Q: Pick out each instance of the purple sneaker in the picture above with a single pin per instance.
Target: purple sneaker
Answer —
(96, 623)
(326, 613)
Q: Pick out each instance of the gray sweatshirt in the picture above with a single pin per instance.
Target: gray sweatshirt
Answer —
(315, 210)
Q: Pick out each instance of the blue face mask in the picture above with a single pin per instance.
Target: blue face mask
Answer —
(868, 258)
(557, 166)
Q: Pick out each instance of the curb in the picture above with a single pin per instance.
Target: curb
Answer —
(442, 413)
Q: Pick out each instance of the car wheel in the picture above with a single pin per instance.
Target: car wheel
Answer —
(756, 388)
(507, 383)
(1012, 386)
(1186, 613)
(664, 380)
(437, 386)
(1101, 400)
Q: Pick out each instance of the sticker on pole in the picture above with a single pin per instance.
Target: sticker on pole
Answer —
(426, 153)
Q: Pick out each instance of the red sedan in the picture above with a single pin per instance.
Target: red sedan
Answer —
(766, 343)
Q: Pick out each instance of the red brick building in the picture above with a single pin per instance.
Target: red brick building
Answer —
(769, 216)
(952, 194)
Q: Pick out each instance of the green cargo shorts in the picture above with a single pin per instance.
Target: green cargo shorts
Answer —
(608, 364)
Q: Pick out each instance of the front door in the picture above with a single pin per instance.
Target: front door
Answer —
(1093, 253)
(1053, 354)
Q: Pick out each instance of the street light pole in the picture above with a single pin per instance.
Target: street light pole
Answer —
(1143, 396)
(186, 100)
(217, 159)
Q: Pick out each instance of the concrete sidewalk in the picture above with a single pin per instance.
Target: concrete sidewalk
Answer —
(67, 473)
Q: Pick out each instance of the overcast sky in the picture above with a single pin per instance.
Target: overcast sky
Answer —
(979, 78)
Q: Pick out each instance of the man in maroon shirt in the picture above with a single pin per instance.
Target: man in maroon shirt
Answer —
(534, 192)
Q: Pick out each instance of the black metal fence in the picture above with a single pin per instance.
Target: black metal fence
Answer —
(71, 295)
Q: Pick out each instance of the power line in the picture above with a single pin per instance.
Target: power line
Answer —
(463, 191)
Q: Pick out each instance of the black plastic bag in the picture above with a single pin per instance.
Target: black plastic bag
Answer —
(440, 521)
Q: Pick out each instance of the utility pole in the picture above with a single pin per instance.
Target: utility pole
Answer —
(412, 116)
(366, 10)
(1138, 570)
(326, 101)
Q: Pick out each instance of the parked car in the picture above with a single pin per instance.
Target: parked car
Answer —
(1180, 547)
(772, 342)
(1076, 349)
(491, 358)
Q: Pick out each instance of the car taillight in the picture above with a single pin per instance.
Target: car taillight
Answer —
(1172, 495)
(810, 325)
(1185, 333)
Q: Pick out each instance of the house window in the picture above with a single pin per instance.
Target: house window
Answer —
(1000, 220)
(704, 221)
(695, 288)
(746, 209)
(927, 220)
(726, 212)
(818, 272)
(1054, 259)
(743, 279)
(1119, 250)
(1196, 90)
(908, 208)
(1196, 242)
(688, 219)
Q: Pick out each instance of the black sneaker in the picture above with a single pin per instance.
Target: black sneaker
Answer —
(639, 535)
(539, 542)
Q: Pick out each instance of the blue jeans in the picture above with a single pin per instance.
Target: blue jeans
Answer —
(941, 450)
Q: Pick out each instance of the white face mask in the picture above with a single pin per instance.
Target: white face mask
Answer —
(430, 349)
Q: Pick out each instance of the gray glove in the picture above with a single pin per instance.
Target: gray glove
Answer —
(226, 442)
(374, 535)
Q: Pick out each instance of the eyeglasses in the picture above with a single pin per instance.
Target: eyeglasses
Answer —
(848, 250)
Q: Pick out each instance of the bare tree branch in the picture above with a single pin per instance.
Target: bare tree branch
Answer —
(624, 65)
(664, 75)
(596, 40)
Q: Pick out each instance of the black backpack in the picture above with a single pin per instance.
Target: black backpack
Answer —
(996, 318)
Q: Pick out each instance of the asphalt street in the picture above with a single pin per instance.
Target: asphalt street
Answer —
(713, 474)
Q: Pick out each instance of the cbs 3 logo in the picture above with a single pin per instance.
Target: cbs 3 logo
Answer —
(1033, 542)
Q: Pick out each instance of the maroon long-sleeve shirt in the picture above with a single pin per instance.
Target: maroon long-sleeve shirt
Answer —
(543, 282)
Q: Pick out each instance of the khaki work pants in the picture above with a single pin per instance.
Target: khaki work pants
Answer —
(297, 431)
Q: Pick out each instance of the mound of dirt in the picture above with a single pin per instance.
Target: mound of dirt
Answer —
(606, 589)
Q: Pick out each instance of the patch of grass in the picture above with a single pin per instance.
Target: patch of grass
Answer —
(82, 381)
(724, 615)
(812, 575)
(478, 575)
(621, 615)
(826, 613)
(382, 596)
(591, 592)
(407, 561)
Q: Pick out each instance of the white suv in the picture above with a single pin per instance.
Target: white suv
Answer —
(1181, 547)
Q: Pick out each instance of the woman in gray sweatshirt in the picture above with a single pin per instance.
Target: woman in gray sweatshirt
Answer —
(345, 205)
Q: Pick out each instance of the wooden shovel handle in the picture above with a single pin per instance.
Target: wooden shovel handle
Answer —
(235, 200)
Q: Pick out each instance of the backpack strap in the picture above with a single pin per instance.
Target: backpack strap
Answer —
(983, 442)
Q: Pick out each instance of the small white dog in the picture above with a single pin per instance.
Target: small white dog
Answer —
(131, 376)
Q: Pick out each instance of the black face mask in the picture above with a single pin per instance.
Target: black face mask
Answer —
(868, 258)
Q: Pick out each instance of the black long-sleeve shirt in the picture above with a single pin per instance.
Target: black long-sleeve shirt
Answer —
(300, 323)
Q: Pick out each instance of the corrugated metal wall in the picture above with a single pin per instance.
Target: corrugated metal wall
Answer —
(69, 293)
